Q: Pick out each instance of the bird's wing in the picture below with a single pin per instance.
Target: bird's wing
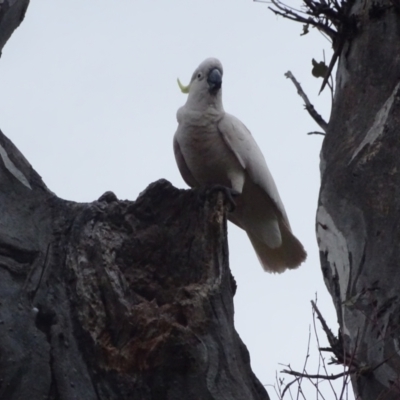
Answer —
(239, 139)
(183, 168)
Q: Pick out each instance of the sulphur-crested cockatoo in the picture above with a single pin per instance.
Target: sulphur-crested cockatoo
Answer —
(213, 147)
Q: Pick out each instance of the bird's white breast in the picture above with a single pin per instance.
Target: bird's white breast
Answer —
(206, 154)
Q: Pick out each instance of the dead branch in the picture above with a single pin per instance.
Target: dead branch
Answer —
(317, 376)
(319, 346)
(331, 17)
(332, 339)
(332, 63)
(316, 133)
(309, 107)
(288, 386)
(316, 14)
(316, 379)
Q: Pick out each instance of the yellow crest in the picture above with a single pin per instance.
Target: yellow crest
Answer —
(184, 89)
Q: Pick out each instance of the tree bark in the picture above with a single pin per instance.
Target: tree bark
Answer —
(116, 299)
(359, 204)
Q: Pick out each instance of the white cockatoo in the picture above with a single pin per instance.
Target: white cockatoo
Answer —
(213, 147)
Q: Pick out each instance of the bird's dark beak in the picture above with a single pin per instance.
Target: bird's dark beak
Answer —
(214, 80)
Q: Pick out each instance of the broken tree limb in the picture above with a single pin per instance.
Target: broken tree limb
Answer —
(309, 107)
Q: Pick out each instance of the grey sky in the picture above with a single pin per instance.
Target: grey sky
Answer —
(89, 95)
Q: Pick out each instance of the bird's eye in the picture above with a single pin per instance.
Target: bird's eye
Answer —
(199, 75)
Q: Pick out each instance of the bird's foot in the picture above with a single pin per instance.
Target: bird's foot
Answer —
(229, 194)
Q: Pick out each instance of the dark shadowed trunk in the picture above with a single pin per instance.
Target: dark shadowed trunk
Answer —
(358, 219)
(114, 299)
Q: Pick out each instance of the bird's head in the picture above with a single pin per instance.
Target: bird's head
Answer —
(206, 81)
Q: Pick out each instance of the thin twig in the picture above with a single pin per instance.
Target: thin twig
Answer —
(330, 84)
(331, 337)
(336, 53)
(316, 133)
(317, 388)
(345, 383)
(319, 369)
(327, 377)
(317, 338)
(353, 355)
(348, 360)
(309, 107)
(321, 17)
(320, 26)
(306, 360)
(330, 17)
(288, 386)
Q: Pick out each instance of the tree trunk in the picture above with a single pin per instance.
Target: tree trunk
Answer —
(359, 205)
(114, 299)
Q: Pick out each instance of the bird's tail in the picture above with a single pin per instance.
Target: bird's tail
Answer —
(289, 255)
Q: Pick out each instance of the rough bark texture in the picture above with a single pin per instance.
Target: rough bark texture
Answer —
(358, 220)
(116, 299)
